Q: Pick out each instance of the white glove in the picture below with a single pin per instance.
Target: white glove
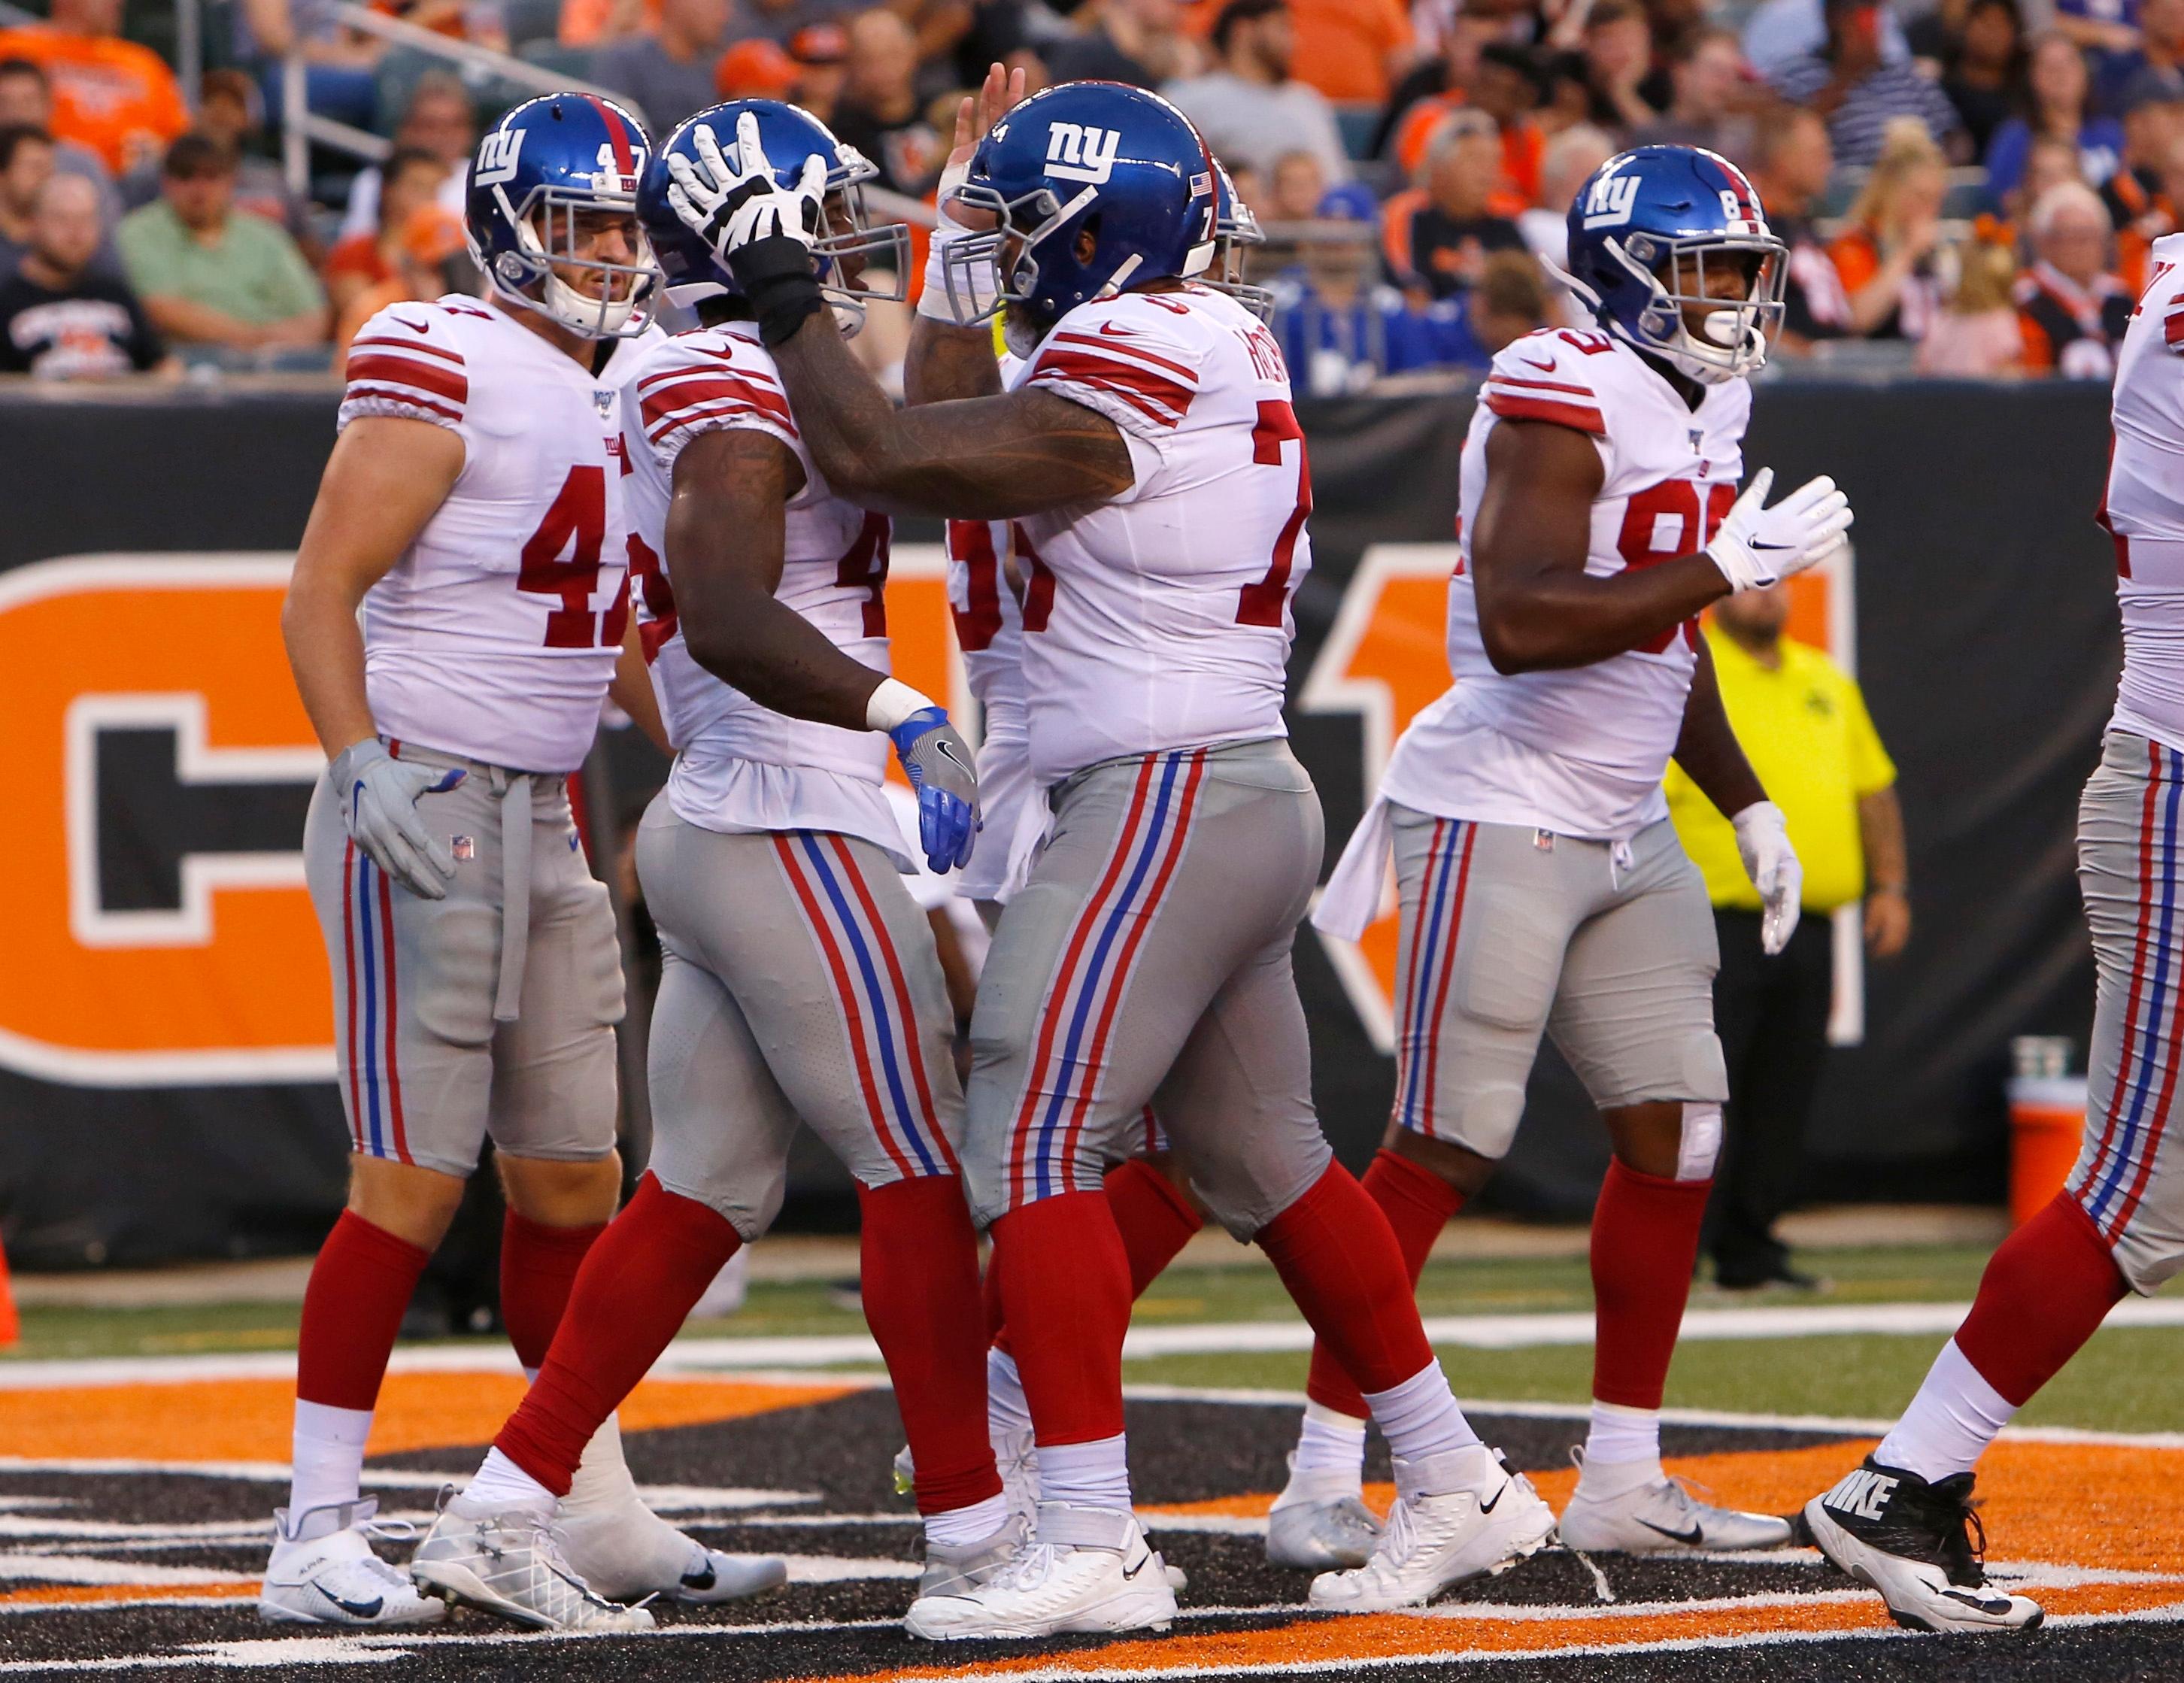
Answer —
(1763, 837)
(730, 201)
(1758, 546)
(379, 807)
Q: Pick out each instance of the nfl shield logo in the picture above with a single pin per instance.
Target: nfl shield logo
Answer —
(464, 850)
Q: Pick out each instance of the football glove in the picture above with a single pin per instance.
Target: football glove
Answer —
(1763, 837)
(938, 763)
(379, 808)
(731, 199)
(1757, 546)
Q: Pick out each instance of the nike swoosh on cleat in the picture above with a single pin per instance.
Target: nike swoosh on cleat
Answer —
(1489, 1506)
(1691, 1538)
(698, 1580)
(370, 1609)
(1143, 1561)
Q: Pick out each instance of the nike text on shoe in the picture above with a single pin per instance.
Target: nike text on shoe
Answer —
(1458, 1515)
(1920, 1544)
(624, 1551)
(323, 1572)
(511, 1564)
(1640, 1510)
(1087, 1569)
(1318, 1525)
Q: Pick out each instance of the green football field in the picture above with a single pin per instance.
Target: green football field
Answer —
(2126, 1379)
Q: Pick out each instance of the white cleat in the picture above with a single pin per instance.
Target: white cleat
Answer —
(323, 1572)
(1319, 1522)
(954, 1568)
(626, 1552)
(509, 1564)
(1920, 1544)
(1088, 1570)
(1458, 1515)
(1639, 1509)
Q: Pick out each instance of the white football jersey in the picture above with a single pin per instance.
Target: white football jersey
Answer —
(1580, 752)
(2143, 505)
(495, 634)
(741, 766)
(1162, 619)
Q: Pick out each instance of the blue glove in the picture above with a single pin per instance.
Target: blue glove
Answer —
(938, 763)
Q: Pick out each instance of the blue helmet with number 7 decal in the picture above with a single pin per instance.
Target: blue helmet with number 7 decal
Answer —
(1651, 232)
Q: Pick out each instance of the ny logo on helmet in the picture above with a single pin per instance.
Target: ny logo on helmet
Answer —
(497, 155)
(1610, 203)
(1078, 153)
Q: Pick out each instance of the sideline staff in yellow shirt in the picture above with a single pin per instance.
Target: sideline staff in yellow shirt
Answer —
(1803, 725)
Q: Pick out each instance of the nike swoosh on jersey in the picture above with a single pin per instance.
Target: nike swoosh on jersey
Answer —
(1690, 1538)
(1546, 367)
(1111, 330)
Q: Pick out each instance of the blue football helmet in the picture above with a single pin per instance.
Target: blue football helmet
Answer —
(1095, 157)
(1235, 231)
(1643, 229)
(853, 246)
(548, 163)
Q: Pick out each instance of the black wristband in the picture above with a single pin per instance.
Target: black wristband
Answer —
(776, 276)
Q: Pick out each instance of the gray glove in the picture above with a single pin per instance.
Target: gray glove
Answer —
(379, 808)
(938, 763)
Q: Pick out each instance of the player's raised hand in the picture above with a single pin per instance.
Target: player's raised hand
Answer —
(1758, 546)
(730, 199)
(1002, 91)
(379, 808)
(1763, 838)
(937, 761)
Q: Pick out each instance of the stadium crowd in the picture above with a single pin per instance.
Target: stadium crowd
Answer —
(1969, 189)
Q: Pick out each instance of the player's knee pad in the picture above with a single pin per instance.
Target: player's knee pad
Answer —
(1701, 1148)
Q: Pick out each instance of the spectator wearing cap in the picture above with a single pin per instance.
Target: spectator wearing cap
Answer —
(1851, 84)
(669, 73)
(1342, 328)
(1708, 105)
(26, 101)
(362, 262)
(113, 96)
(1984, 74)
(1619, 57)
(819, 52)
(1353, 51)
(1248, 107)
(1571, 156)
(209, 275)
(880, 112)
(1885, 255)
(440, 119)
(60, 319)
(2072, 311)
(1507, 85)
(1138, 42)
(2056, 94)
(1437, 236)
(1792, 162)
(755, 68)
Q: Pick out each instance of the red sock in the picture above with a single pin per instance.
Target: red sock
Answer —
(1417, 1203)
(1337, 1254)
(1155, 1221)
(2045, 1292)
(538, 1264)
(1066, 1290)
(631, 1295)
(359, 1287)
(1645, 1242)
(930, 1326)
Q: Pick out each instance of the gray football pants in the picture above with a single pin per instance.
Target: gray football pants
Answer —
(1147, 962)
(800, 983)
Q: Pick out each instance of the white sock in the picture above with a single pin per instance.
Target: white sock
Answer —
(602, 1476)
(327, 1450)
(1007, 1410)
(501, 1484)
(1330, 1442)
(1949, 1424)
(1620, 1436)
(1419, 1417)
(1096, 1474)
(959, 1527)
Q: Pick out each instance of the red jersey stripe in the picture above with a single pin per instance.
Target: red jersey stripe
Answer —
(414, 347)
(1498, 378)
(1113, 345)
(1511, 407)
(409, 397)
(1154, 395)
(686, 371)
(449, 383)
(704, 388)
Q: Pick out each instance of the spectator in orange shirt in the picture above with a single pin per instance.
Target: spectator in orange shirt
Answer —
(113, 96)
(360, 263)
(1436, 239)
(2072, 311)
(1352, 51)
(423, 260)
(1886, 255)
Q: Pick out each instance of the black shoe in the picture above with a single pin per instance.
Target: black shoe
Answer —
(1920, 1544)
(1766, 1274)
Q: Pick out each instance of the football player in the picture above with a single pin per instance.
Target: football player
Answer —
(801, 983)
(1903, 1522)
(1542, 887)
(1147, 455)
(472, 511)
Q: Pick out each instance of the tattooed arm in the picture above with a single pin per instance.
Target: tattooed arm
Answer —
(946, 362)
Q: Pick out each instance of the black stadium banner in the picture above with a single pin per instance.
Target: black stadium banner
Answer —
(165, 1029)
